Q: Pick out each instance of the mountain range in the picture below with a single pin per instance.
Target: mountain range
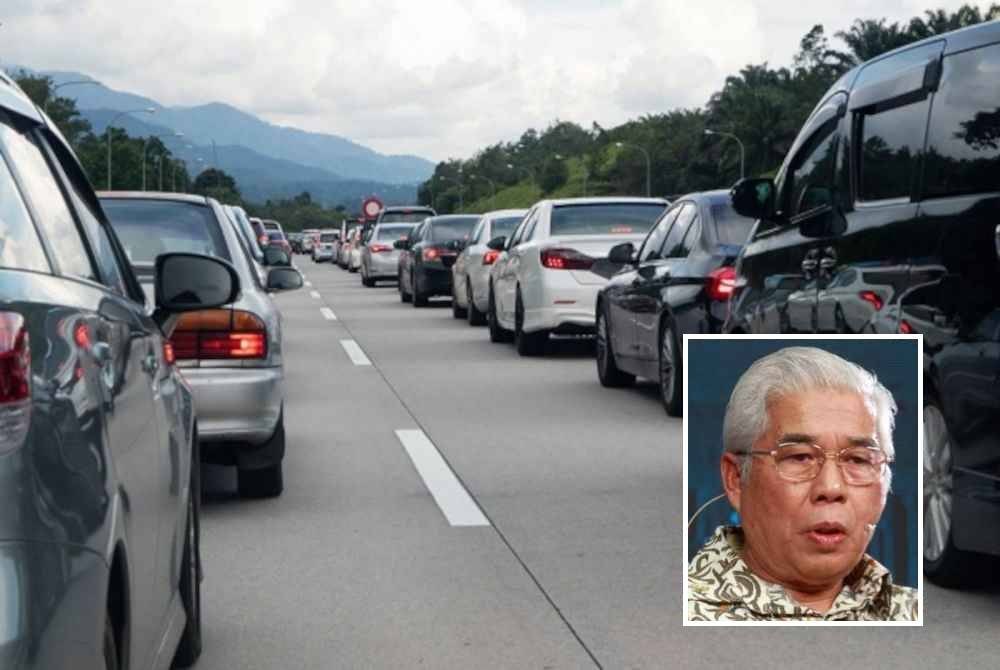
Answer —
(267, 160)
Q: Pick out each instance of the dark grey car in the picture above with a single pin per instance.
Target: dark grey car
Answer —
(99, 498)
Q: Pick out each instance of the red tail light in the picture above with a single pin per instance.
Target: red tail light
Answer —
(872, 298)
(379, 248)
(490, 257)
(431, 254)
(905, 328)
(721, 283)
(15, 359)
(168, 353)
(566, 259)
(219, 334)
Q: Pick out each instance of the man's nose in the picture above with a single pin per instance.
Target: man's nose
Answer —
(829, 485)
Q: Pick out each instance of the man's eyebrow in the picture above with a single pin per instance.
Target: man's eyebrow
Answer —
(797, 437)
(869, 442)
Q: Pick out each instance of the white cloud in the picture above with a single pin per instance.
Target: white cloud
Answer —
(437, 78)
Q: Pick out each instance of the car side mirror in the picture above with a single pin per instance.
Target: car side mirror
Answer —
(276, 256)
(497, 243)
(623, 253)
(189, 282)
(284, 279)
(754, 198)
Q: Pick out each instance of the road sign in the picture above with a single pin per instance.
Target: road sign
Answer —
(371, 207)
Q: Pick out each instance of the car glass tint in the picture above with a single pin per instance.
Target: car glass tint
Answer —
(19, 244)
(446, 230)
(672, 245)
(405, 217)
(730, 227)
(604, 219)
(504, 226)
(392, 233)
(963, 154)
(148, 228)
(654, 242)
(275, 235)
(890, 147)
(812, 176)
(51, 210)
(329, 238)
(691, 239)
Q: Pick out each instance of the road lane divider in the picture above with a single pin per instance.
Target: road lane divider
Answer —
(354, 352)
(314, 294)
(451, 497)
(327, 313)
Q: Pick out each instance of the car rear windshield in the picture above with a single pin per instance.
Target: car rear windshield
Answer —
(414, 216)
(392, 233)
(605, 219)
(446, 230)
(275, 235)
(148, 228)
(328, 237)
(730, 227)
(505, 226)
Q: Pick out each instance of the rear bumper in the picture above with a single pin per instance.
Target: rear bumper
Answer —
(53, 599)
(236, 404)
(322, 254)
(562, 305)
(433, 281)
(383, 266)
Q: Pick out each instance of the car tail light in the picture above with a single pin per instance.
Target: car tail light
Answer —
(379, 248)
(905, 328)
(219, 334)
(721, 283)
(566, 259)
(431, 254)
(490, 257)
(15, 360)
(872, 298)
(168, 353)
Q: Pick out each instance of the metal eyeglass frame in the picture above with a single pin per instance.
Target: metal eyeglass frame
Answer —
(773, 453)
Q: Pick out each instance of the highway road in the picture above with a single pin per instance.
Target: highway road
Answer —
(556, 544)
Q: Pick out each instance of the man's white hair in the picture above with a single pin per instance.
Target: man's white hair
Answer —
(794, 370)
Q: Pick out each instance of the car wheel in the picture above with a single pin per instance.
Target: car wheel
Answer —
(456, 311)
(607, 368)
(476, 318)
(189, 647)
(263, 482)
(527, 344)
(419, 299)
(110, 645)
(944, 563)
(670, 371)
(497, 332)
(365, 279)
(403, 295)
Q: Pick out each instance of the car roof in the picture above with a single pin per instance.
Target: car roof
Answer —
(154, 195)
(605, 200)
(408, 208)
(441, 218)
(13, 99)
(503, 213)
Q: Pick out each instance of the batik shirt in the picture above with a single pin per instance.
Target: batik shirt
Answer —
(722, 588)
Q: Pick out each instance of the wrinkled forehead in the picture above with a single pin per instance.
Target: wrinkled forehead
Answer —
(821, 411)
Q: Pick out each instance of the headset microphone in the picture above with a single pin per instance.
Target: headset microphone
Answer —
(702, 508)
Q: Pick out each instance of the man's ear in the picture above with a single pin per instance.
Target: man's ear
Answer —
(730, 470)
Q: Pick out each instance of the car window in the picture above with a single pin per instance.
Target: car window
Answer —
(650, 250)
(730, 227)
(477, 232)
(691, 239)
(963, 147)
(445, 230)
(46, 199)
(529, 231)
(889, 145)
(148, 228)
(615, 218)
(515, 237)
(811, 177)
(392, 233)
(672, 244)
(503, 226)
(20, 247)
(414, 216)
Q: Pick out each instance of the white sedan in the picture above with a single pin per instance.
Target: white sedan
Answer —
(471, 272)
(546, 278)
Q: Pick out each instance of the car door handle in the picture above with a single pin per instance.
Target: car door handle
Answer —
(150, 364)
(101, 352)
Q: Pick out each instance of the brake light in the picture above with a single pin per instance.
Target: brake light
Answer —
(379, 248)
(431, 254)
(872, 298)
(490, 257)
(15, 359)
(721, 283)
(565, 259)
(905, 328)
(219, 334)
(168, 353)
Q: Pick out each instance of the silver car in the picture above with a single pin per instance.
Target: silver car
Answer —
(471, 271)
(379, 258)
(324, 249)
(231, 357)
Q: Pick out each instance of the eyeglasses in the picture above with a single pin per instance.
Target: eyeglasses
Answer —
(802, 462)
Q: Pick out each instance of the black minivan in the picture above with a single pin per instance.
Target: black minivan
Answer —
(885, 218)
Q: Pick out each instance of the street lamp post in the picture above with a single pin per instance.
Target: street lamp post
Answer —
(493, 187)
(145, 148)
(528, 171)
(146, 110)
(75, 82)
(743, 154)
(649, 168)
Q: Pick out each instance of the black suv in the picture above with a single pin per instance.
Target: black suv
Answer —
(885, 218)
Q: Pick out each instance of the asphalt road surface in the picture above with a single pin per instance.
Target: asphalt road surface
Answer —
(557, 544)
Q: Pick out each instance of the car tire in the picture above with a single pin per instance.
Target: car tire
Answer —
(527, 344)
(670, 371)
(365, 279)
(497, 332)
(475, 317)
(608, 372)
(189, 646)
(456, 311)
(419, 299)
(265, 482)
(403, 295)
(944, 563)
(110, 645)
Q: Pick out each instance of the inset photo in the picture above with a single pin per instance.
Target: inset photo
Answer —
(802, 473)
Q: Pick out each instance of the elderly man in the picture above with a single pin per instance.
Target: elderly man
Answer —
(807, 445)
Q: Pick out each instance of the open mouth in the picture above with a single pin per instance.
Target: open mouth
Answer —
(827, 534)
